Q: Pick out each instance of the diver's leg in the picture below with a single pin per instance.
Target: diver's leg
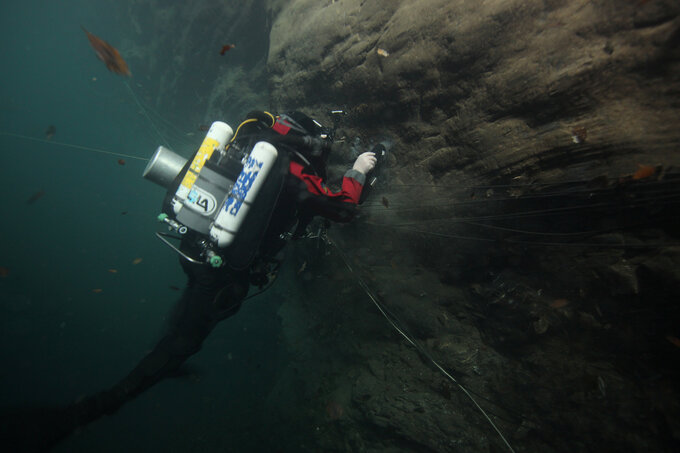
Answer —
(211, 296)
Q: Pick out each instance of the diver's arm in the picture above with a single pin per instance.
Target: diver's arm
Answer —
(352, 182)
(352, 185)
(354, 179)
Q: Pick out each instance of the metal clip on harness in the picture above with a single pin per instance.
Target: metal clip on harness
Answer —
(213, 258)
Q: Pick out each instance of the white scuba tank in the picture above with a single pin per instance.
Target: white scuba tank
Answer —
(196, 198)
(257, 167)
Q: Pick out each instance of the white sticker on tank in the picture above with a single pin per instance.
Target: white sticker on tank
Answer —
(201, 201)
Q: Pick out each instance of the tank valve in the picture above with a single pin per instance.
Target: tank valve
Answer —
(172, 224)
(214, 259)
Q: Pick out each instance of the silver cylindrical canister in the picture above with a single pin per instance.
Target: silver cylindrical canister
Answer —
(164, 167)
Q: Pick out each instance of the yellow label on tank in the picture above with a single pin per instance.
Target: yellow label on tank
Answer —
(189, 179)
(204, 152)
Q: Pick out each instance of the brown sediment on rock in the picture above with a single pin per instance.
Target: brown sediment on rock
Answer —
(500, 109)
(504, 79)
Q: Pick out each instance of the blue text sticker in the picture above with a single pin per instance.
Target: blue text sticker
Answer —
(242, 186)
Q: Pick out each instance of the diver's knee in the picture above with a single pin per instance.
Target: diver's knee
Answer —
(230, 297)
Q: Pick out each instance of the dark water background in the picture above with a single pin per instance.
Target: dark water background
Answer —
(60, 340)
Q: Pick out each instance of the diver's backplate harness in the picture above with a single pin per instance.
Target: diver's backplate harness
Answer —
(221, 199)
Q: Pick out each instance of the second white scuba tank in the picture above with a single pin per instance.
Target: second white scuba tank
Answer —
(233, 212)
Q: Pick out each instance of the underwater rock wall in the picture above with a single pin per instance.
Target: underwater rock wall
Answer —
(562, 323)
(492, 89)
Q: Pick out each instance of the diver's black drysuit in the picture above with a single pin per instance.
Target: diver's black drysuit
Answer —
(211, 295)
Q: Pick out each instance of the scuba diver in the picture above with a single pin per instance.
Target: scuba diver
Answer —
(232, 208)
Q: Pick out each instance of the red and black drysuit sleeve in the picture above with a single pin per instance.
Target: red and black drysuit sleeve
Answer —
(318, 199)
